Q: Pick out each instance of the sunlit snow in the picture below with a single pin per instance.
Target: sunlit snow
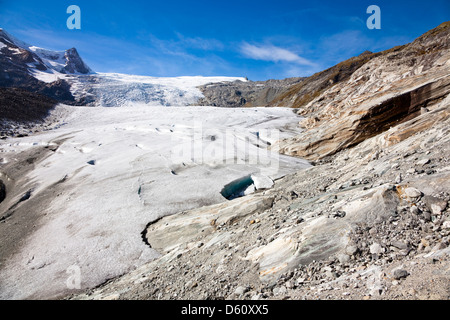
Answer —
(125, 167)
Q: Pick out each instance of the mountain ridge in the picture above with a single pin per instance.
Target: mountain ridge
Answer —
(338, 114)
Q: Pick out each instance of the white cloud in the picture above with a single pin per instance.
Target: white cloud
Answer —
(272, 53)
(199, 43)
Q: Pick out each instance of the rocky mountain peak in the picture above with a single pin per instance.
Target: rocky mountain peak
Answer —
(67, 62)
(74, 62)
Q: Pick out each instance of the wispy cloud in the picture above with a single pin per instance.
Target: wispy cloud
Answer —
(272, 53)
(348, 43)
(183, 46)
(206, 44)
(345, 42)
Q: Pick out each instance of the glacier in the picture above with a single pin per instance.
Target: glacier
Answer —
(118, 90)
(138, 150)
(114, 170)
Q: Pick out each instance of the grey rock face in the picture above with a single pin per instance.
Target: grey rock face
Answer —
(2, 191)
(20, 106)
(245, 94)
(74, 62)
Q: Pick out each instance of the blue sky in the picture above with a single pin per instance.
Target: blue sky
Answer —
(258, 39)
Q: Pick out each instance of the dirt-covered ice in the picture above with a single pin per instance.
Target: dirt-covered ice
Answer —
(108, 172)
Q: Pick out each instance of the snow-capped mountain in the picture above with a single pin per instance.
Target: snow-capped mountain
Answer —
(44, 71)
(38, 70)
(67, 61)
(37, 59)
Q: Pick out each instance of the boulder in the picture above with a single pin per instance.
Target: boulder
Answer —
(262, 182)
(400, 274)
(172, 231)
(413, 193)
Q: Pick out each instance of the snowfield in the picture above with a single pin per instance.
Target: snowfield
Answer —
(118, 90)
(117, 169)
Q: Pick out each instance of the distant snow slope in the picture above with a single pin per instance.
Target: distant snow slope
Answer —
(114, 89)
(118, 169)
(119, 90)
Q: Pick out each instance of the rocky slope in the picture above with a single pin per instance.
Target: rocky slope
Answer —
(370, 220)
(392, 87)
(21, 111)
(244, 94)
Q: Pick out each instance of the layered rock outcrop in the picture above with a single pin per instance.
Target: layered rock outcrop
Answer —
(392, 87)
